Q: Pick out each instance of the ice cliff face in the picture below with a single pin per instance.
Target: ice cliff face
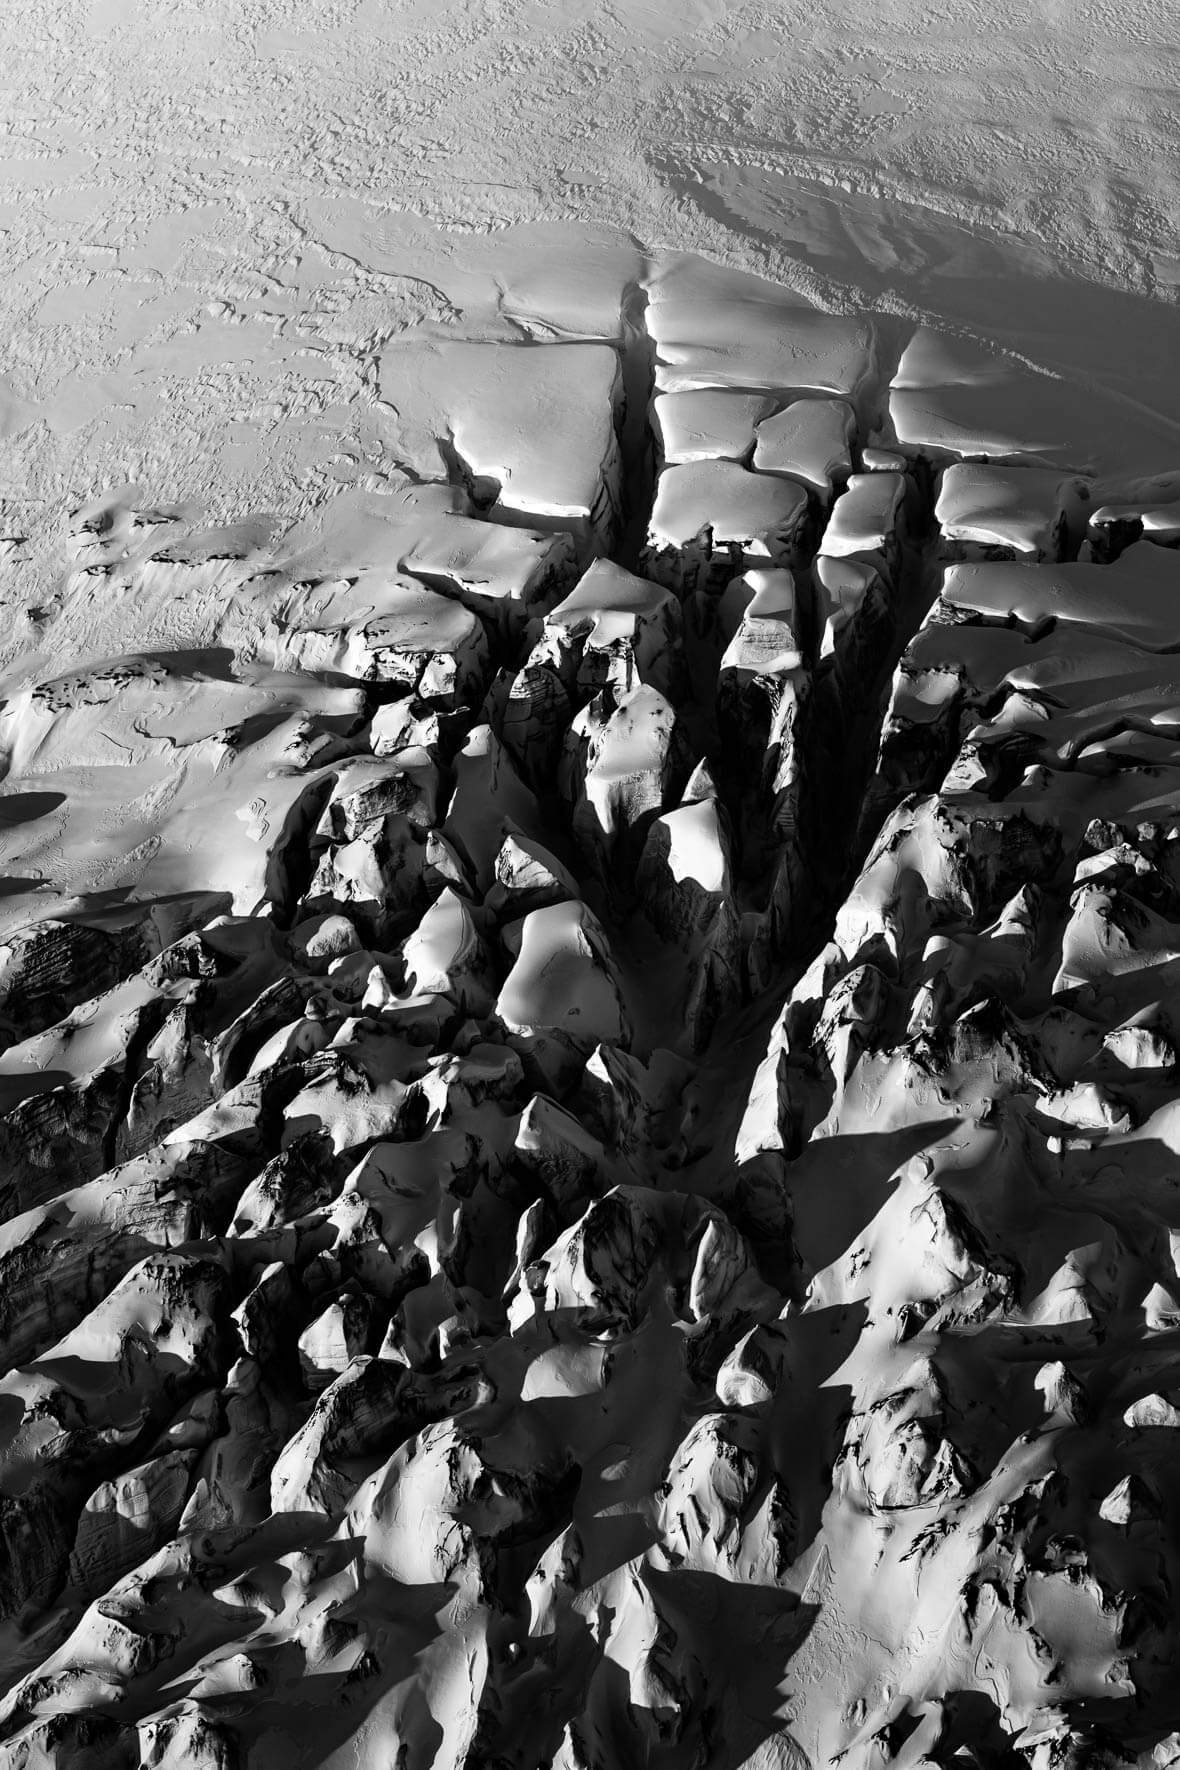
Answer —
(588, 1088)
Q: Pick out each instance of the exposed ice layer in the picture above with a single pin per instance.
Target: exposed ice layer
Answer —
(987, 511)
(1161, 523)
(768, 635)
(528, 876)
(536, 422)
(708, 424)
(811, 440)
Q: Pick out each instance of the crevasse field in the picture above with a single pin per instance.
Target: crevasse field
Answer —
(589, 886)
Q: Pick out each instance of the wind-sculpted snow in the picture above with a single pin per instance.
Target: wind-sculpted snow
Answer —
(589, 1077)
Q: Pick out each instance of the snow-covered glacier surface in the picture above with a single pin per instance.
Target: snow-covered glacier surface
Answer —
(589, 889)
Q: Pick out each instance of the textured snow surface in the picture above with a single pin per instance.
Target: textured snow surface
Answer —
(589, 887)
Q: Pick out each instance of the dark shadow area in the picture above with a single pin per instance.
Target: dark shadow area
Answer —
(24, 808)
(810, 1412)
(838, 1184)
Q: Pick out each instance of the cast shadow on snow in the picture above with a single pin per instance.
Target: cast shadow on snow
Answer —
(838, 1184)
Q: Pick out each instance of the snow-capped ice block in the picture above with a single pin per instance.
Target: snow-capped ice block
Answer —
(1161, 524)
(954, 397)
(866, 519)
(1112, 527)
(503, 573)
(853, 614)
(445, 955)
(312, 598)
(380, 627)
(987, 511)
(1065, 692)
(709, 424)
(878, 460)
(625, 759)
(684, 875)
(535, 423)
(763, 689)
(767, 639)
(528, 876)
(563, 979)
(708, 336)
(690, 842)
(711, 517)
(500, 572)
(811, 440)
(1135, 599)
(613, 626)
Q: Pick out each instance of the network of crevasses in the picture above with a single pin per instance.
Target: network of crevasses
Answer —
(443, 1329)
